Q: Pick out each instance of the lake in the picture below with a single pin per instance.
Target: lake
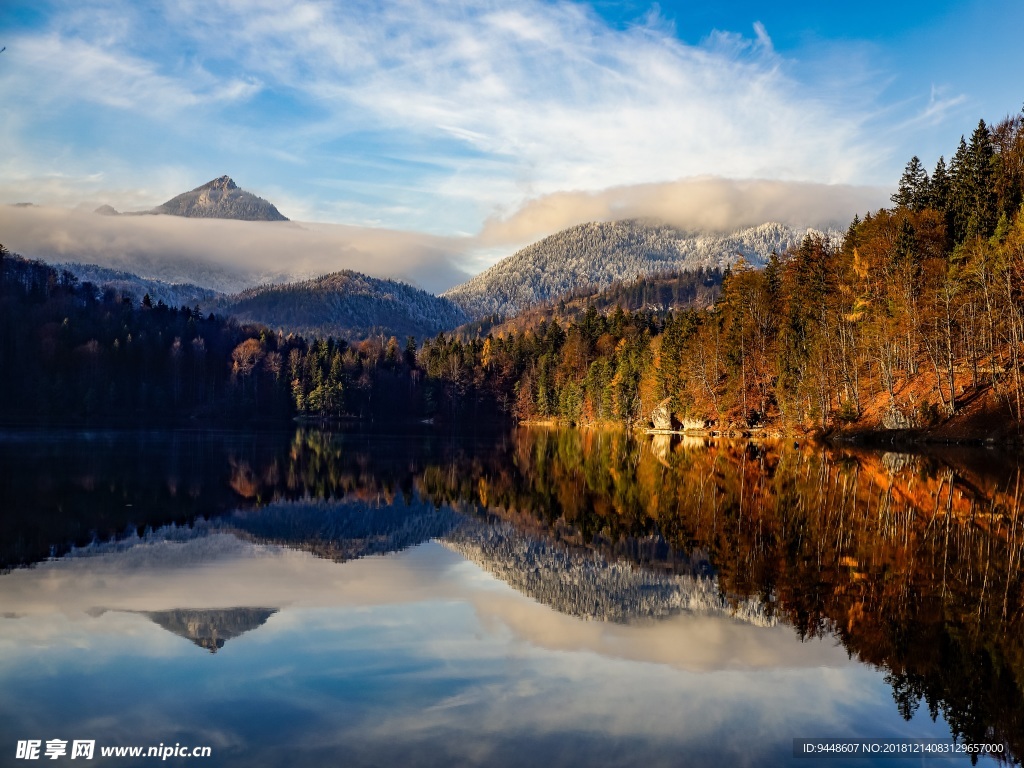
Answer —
(535, 597)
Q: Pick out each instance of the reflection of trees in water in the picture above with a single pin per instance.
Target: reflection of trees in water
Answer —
(912, 560)
(344, 529)
(64, 489)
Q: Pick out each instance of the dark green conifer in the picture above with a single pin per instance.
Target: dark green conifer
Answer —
(913, 189)
(938, 187)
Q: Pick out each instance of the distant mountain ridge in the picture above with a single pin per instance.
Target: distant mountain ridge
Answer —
(344, 304)
(577, 262)
(597, 254)
(130, 284)
(220, 198)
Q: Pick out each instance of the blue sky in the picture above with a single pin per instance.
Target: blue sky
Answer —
(440, 117)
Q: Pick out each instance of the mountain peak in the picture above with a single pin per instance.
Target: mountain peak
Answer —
(221, 182)
(221, 198)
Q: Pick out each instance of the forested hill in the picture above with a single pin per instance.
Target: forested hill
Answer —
(595, 255)
(347, 305)
(657, 295)
(72, 353)
(129, 284)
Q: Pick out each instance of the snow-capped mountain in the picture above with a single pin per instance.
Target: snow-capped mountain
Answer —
(220, 198)
(597, 254)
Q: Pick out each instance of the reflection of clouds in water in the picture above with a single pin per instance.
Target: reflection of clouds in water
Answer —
(163, 549)
(216, 570)
(411, 658)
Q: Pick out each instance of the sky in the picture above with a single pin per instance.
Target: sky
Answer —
(492, 123)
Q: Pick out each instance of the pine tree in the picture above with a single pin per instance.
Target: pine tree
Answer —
(938, 188)
(913, 188)
(981, 154)
(1008, 142)
(849, 244)
(960, 193)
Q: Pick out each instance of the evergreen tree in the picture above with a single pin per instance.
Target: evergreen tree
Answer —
(1008, 142)
(958, 210)
(913, 188)
(983, 214)
(938, 188)
(849, 242)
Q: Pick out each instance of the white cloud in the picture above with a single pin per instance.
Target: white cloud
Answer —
(506, 102)
(219, 571)
(229, 255)
(54, 69)
(696, 204)
(484, 123)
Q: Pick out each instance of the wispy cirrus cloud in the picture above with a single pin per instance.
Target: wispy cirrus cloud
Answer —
(56, 70)
(426, 115)
(566, 100)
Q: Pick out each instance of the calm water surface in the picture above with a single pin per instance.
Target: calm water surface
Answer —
(537, 598)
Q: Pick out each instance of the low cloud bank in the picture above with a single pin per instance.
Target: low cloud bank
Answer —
(703, 203)
(230, 255)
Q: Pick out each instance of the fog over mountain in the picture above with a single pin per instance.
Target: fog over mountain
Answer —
(701, 204)
(129, 284)
(227, 255)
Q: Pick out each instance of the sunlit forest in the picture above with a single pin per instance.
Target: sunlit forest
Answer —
(914, 318)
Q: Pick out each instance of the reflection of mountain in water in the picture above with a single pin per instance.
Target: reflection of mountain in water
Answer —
(345, 530)
(574, 581)
(210, 629)
(585, 584)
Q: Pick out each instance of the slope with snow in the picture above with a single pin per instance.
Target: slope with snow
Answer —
(597, 254)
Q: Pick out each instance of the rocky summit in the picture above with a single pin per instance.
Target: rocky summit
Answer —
(221, 199)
